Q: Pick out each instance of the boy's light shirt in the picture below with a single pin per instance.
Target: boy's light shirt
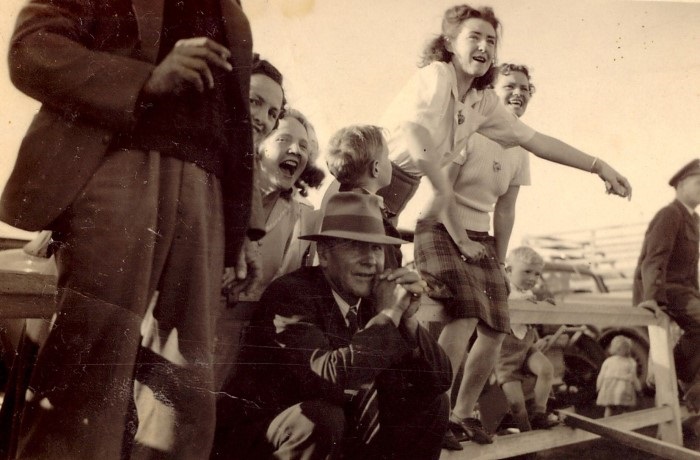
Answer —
(520, 330)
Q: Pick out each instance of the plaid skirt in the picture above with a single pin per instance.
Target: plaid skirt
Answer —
(465, 289)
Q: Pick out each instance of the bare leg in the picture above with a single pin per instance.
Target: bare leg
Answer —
(454, 339)
(516, 402)
(608, 411)
(542, 368)
(477, 369)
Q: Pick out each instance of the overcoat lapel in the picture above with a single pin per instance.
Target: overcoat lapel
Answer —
(149, 17)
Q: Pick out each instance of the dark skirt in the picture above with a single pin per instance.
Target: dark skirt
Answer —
(466, 289)
(399, 192)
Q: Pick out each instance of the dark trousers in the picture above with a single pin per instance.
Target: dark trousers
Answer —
(684, 308)
(143, 224)
(321, 430)
(398, 193)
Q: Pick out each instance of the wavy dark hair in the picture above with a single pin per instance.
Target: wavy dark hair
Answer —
(263, 67)
(452, 21)
(507, 68)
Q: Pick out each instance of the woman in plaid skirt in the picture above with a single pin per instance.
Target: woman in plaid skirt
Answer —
(428, 126)
(474, 290)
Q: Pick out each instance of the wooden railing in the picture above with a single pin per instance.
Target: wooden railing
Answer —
(609, 250)
(666, 414)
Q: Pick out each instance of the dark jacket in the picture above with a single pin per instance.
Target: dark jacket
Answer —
(669, 254)
(299, 348)
(86, 62)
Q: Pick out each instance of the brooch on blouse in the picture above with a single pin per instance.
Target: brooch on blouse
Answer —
(496, 166)
(460, 117)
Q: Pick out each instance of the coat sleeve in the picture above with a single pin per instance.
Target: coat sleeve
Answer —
(659, 240)
(303, 340)
(428, 367)
(63, 53)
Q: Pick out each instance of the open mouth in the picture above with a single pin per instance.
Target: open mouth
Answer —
(289, 166)
(481, 59)
(516, 102)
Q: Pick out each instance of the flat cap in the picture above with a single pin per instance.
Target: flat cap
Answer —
(688, 170)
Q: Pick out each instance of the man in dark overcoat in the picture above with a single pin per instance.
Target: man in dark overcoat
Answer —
(667, 271)
(140, 162)
(323, 334)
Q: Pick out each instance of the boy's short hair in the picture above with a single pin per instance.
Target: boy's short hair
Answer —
(352, 150)
(525, 254)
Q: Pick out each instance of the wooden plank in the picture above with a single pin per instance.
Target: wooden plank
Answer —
(523, 311)
(630, 438)
(27, 295)
(539, 440)
(27, 306)
(26, 283)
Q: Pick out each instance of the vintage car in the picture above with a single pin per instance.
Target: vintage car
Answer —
(27, 286)
(577, 284)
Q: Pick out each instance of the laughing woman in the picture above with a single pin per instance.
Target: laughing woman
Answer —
(448, 100)
(286, 161)
(429, 124)
(286, 168)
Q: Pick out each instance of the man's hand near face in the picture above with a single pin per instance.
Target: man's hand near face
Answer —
(398, 294)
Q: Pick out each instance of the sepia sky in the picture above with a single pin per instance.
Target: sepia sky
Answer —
(617, 79)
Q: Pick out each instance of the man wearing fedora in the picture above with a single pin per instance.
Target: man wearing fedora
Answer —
(321, 334)
(667, 271)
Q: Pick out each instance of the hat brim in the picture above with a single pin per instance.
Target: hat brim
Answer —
(676, 180)
(355, 236)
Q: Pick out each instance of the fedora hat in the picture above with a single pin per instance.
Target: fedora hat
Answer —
(354, 216)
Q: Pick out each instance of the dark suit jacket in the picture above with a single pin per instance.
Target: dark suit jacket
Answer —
(86, 62)
(299, 348)
(669, 256)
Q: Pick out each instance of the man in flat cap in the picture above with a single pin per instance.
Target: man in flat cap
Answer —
(323, 333)
(667, 271)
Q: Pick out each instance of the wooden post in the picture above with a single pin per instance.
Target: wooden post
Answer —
(664, 369)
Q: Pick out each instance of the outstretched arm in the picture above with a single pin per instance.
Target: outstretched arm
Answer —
(503, 220)
(552, 149)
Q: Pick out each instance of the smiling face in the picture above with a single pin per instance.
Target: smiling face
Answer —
(514, 91)
(266, 98)
(524, 275)
(474, 47)
(283, 155)
(351, 266)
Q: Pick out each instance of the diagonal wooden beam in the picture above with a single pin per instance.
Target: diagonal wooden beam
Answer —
(629, 438)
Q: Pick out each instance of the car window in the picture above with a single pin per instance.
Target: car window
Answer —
(556, 282)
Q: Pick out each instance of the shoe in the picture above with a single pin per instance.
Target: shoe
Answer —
(507, 426)
(543, 421)
(470, 429)
(449, 441)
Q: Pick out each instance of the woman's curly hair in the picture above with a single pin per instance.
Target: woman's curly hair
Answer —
(452, 21)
